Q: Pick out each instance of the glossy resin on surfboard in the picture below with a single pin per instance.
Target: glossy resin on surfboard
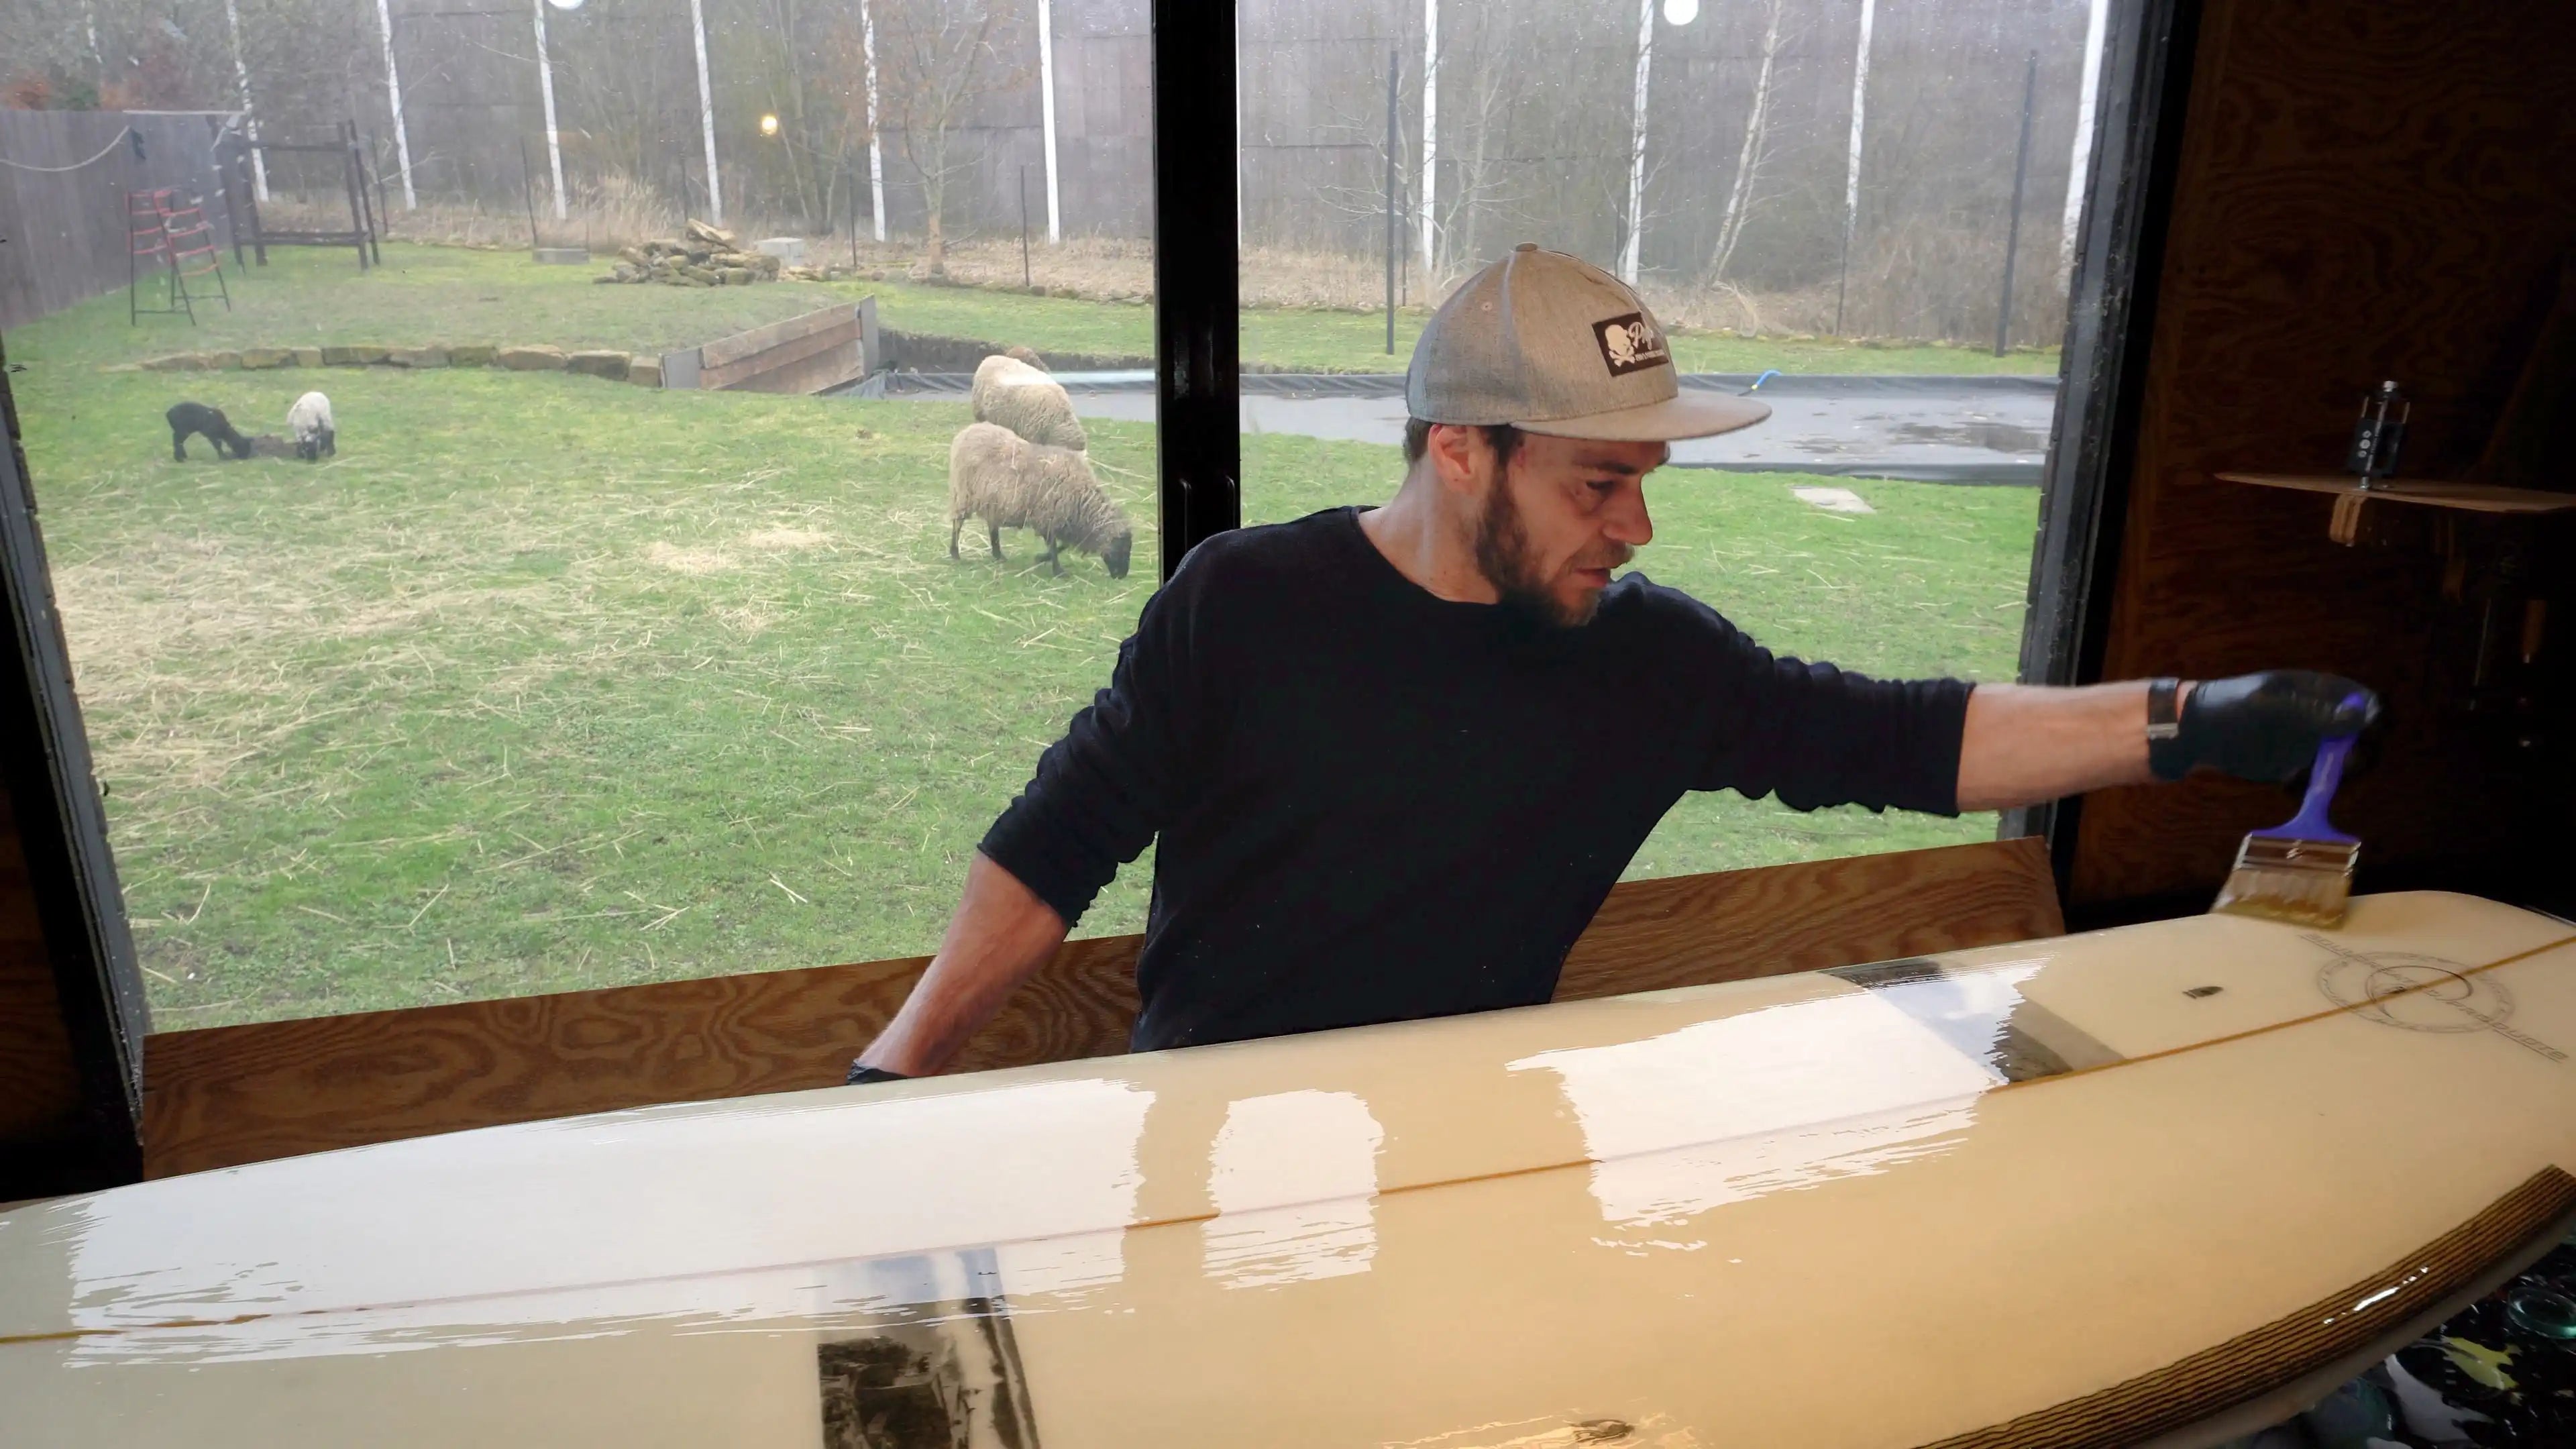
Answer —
(1883, 1206)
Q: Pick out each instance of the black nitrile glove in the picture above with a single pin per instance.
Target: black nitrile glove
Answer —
(2263, 726)
(860, 1076)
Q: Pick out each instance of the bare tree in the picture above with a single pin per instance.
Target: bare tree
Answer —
(933, 59)
(1748, 160)
(818, 125)
(1485, 71)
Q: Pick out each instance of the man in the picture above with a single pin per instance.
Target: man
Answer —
(1397, 757)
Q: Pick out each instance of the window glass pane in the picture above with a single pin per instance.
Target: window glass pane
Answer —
(542, 676)
(1816, 197)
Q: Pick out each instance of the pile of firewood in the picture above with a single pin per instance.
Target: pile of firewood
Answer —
(704, 256)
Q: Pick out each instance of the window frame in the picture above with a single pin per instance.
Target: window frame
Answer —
(2110, 321)
(44, 749)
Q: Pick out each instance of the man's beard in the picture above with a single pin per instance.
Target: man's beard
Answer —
(1503, 557)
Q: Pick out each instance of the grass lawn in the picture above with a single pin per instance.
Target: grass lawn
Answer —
(548, 683)
(427, 294)
(1297, 339)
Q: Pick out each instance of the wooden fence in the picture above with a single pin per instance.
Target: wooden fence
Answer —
(63, 231)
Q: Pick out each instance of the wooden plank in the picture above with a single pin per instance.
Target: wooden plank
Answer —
(844, 361)
(218, 1096)
(838, 345)
(1729, 925)
(223, 1095)
(2473, 497)
(727, 350)
(841, 363)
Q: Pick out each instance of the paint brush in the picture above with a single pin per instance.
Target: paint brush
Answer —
(2300, 870)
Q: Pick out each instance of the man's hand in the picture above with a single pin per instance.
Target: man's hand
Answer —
(2027, 743)
(2262, 726)
(1002, 933)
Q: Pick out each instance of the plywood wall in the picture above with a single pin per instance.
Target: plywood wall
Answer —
(40, 1097)
(2365, 192)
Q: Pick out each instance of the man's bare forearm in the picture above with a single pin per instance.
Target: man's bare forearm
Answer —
(2029, 743)
(1002, 933)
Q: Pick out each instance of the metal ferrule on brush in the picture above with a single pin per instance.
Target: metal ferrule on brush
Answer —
(2276, 852)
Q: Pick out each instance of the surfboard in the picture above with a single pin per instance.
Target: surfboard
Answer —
(2088, 1190)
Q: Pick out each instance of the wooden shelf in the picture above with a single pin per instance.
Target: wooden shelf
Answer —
(2475, 497)
(2350, 497)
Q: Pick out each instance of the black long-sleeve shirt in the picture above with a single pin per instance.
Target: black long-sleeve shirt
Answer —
(1375, 804)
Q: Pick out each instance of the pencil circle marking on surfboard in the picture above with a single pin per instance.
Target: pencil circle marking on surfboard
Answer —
(2415, 992)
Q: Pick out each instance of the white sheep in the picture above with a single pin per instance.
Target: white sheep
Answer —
(1026, 401)
(1009, 482)
(310, 421)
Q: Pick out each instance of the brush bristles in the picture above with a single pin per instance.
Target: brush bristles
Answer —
(2304, 882)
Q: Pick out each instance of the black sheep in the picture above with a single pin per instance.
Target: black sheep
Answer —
(193, 418)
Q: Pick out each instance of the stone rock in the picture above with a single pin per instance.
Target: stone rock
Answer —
(610, 365)
(307, 356)
(472, 354)
(175, 362)
(261, 358)
(360, 354)
(645, 372)
(713, 236)
(739, 276)
(224, 361)
(531, 359)
(419, 357)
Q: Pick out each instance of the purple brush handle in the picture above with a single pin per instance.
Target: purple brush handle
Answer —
(2311, 823)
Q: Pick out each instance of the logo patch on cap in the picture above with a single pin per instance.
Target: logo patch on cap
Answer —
(1631, 344)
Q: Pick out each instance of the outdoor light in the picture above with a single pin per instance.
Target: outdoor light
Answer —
(769, 125)
(576, 4)
(1676, 12)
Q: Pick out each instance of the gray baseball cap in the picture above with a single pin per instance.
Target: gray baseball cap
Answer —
(1553, 344)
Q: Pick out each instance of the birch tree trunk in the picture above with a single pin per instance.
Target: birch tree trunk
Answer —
(1748, 160)
(393, 102)
(250, 117)
(876, 144)
(1430, 132)
(1637, 144)
(706, 110)
(2081, 164)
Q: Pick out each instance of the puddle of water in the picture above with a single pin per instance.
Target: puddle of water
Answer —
(1976, 433)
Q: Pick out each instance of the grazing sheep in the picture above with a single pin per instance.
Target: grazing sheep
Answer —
(1026, 401)
(310, 421)
(191, 419)
(1009, 482)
